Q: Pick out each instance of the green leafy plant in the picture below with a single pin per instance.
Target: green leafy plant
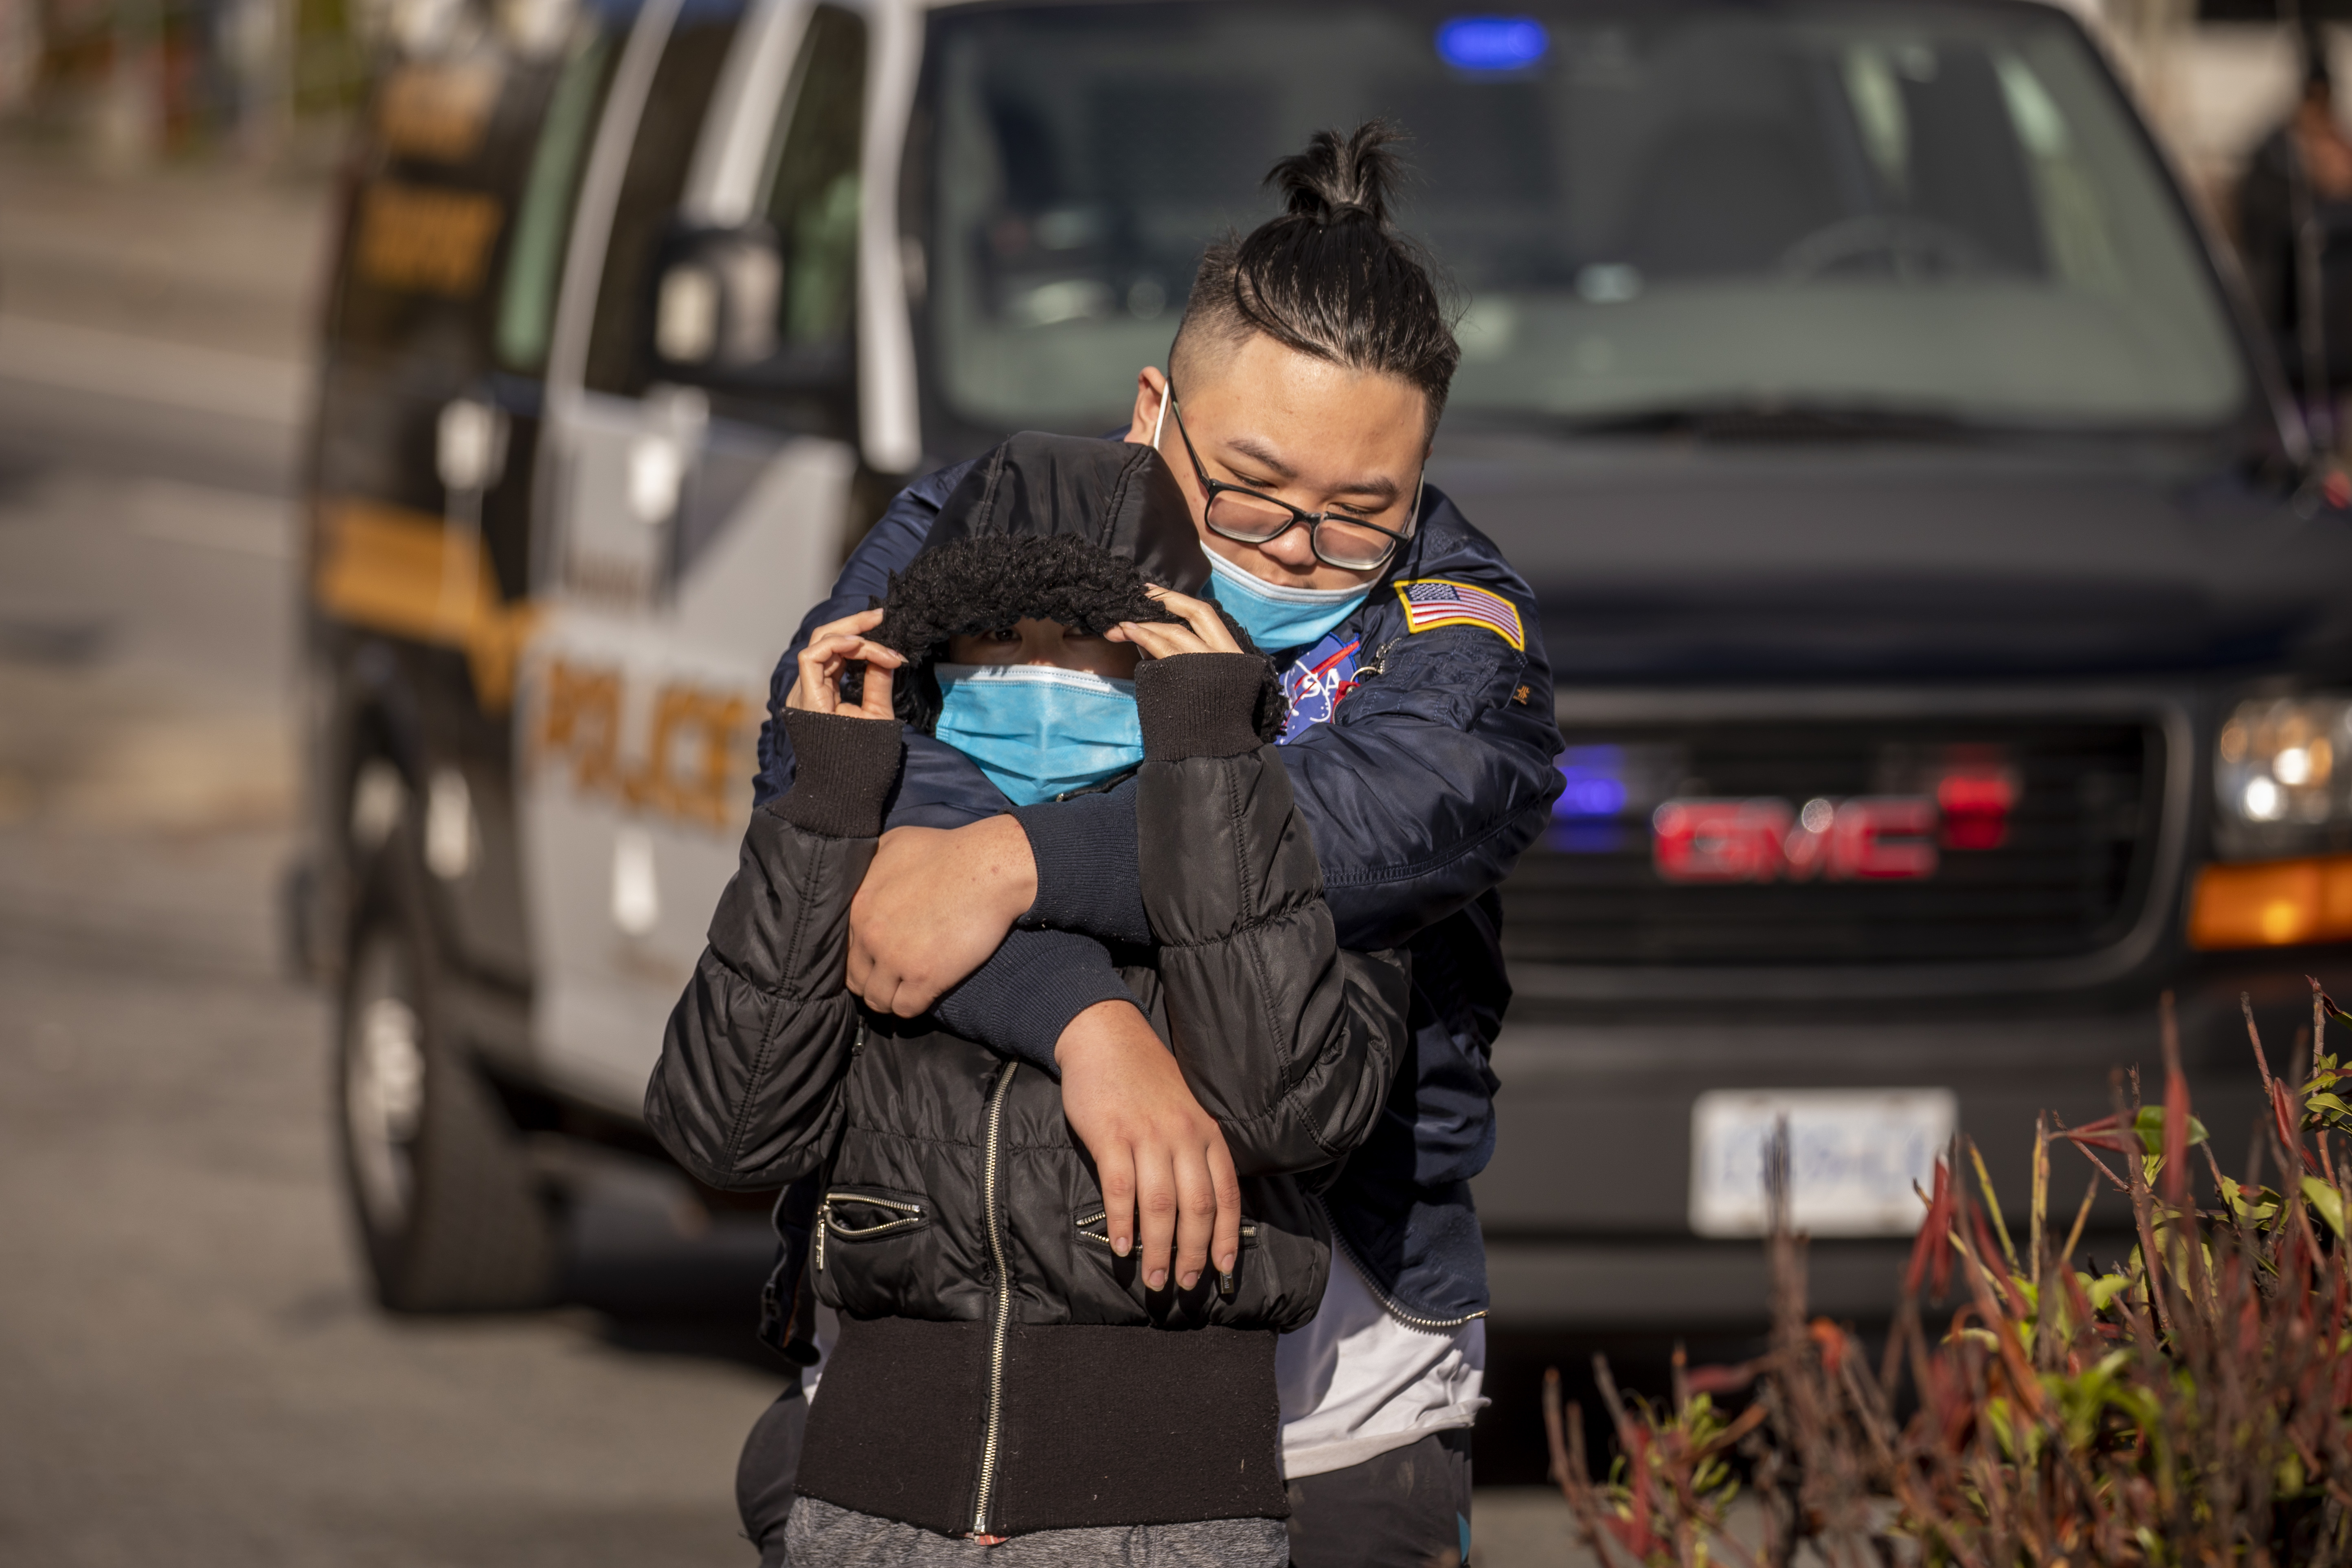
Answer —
(2190, 1405)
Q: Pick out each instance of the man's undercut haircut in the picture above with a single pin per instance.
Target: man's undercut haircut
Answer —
(1331, 277)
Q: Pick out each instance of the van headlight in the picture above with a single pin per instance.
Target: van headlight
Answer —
(2281, 769)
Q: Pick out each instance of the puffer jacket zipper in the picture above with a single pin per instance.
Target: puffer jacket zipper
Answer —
(991, 1433)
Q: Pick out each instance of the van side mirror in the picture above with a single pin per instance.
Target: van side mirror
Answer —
(715, 297)
(719, 298)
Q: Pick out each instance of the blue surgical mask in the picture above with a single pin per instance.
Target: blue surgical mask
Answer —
(1276, 617)
(1037, 730)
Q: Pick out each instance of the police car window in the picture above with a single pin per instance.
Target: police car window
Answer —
(449, 141)
(543, 214)
(1653, 206)
(812, 189)
(650, 189)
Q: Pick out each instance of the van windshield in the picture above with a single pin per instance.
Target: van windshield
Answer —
(1663, 208)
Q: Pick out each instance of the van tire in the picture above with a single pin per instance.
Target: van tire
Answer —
(449, 1213)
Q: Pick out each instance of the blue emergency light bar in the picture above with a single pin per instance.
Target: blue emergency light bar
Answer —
(1491, 43)
(1594, 777)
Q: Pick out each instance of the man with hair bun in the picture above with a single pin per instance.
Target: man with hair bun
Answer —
(1302, 394)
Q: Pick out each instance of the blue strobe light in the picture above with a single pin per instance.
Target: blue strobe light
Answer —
(1594, 777)
(1491, 43)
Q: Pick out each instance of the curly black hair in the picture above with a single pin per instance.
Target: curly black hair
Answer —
(987, 583)
(984, 584)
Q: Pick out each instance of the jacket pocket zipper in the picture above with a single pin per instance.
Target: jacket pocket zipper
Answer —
(908, 1216)
(991, 1434)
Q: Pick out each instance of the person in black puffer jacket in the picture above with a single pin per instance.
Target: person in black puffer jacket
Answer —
(1001, 1374)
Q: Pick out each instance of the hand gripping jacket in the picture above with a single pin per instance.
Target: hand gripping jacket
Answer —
(999, 1370)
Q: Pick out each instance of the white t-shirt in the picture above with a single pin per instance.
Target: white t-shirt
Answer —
(1358, 1382)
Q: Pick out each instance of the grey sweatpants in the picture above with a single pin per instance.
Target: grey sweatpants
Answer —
(823, 1536)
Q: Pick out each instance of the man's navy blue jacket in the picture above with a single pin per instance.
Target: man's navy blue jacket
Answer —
(1422, 760)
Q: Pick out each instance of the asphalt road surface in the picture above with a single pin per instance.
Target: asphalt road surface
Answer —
(191, 1372)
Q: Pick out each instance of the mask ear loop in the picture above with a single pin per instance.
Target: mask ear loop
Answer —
(1166, 396)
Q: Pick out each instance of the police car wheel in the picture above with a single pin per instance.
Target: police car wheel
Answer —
(449, 1213)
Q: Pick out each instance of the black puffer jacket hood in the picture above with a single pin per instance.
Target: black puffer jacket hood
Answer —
(1115, 495)
(1049, 528)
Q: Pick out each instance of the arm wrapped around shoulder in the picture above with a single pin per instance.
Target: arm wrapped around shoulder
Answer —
(1288, 1041)
(747, 1091)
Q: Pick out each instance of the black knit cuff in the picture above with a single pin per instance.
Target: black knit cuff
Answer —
(1199, 705)
(842, 768)
(1021, 1000)
(1086, 850)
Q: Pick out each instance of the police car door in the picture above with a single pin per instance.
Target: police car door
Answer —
(692, 524)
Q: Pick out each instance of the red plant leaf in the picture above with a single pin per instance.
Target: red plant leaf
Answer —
(1721, 1379)
(1931, 1251)
(1638, 1462)
(1832, 1339)
(2014, 1298)
(2288, 1118)
(2107, 1132)
(2175, 1118)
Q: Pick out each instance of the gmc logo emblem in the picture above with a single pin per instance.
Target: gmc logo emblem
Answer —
(1883, 838)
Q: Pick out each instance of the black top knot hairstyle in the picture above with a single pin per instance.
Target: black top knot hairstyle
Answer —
(1335, 179)
(1331, 277)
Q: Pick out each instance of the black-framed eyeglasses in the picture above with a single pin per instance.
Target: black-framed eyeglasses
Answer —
(1242, 514)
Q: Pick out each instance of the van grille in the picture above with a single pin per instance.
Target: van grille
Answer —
(2045, 835)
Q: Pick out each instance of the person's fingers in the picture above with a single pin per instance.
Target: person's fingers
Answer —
(1196, 1215)
(861, 957)
(1225, 1249)
(875, 702)
(862, 622)
(874, 653)
(881, 985)
(830, 648)
(1115, 1167)
(1158, 640)
(1155, 1209)
(1202, 616)
(909, 998)
(814, 692)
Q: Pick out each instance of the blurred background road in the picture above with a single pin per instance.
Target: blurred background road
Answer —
(189, 1368)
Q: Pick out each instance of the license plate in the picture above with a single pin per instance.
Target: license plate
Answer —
(1853, 1156)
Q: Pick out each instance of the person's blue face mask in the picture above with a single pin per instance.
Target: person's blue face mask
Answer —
(1038, 730)
(1276, 617)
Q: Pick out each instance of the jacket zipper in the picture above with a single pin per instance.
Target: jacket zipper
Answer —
(825, 1209)
(991, 1433)
(908, 1216)
(1411, 1320)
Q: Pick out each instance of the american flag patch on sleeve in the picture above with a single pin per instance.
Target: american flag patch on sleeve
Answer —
(1433, 602)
